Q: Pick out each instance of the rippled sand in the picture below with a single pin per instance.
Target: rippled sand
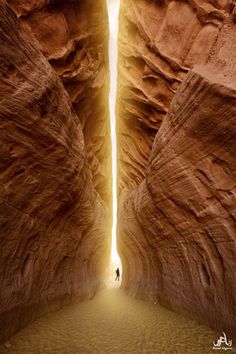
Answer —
(112, 323)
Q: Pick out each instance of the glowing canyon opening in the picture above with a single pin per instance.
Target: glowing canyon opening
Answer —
(113, 18)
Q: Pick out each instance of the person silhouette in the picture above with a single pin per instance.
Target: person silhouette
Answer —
(117, 274)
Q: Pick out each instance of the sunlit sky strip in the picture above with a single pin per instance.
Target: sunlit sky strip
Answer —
(113, 12)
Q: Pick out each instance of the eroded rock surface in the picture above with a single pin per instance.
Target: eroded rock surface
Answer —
(159, 42)
(177, 226)
(53, 230)
(73, 36)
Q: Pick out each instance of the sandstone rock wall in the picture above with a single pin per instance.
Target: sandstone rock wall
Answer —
(53, 222)
(177, 226)
(159, 42)
(73, 36)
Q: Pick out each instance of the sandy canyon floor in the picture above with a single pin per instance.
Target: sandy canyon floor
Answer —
(112, 323)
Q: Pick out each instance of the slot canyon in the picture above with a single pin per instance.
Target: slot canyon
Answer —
(124, 138)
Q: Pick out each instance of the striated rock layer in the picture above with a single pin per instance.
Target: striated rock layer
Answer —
(159, 42)
(53, 230)
(73, 36)
(177, 215)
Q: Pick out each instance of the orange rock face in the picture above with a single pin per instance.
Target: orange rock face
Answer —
(177, 226)
(73, 36)
(159, 42)
(53, 215)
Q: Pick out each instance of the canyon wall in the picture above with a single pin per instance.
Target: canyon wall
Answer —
(177, 172)
(73, 36)
(54, 148)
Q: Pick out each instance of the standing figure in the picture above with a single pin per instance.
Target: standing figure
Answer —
(117, 274)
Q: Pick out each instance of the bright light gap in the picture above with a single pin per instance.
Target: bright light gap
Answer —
(113, 13)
